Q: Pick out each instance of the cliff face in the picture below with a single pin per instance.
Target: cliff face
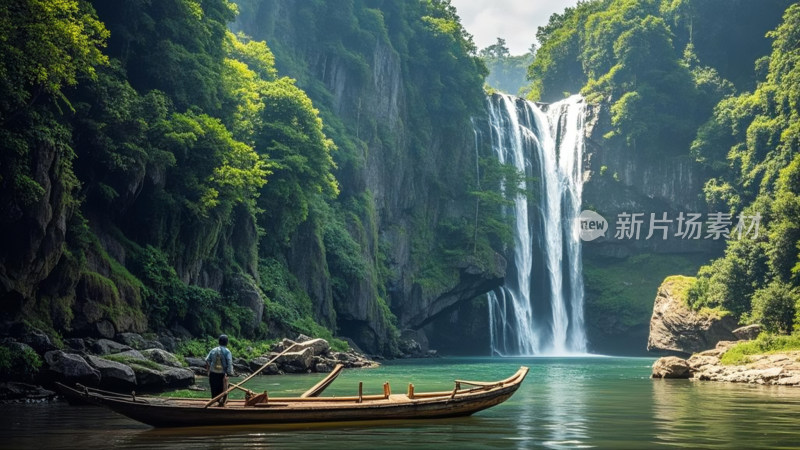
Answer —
(623, 275)
(405, 174)
(676, 328)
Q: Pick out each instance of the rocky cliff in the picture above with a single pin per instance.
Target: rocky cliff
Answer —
(676, 328)
(623, 274)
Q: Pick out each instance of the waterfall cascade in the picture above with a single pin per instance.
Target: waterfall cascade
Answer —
(539, 310)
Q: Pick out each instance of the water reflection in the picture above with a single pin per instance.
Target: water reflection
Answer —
(561, 402)
(564, 403)
(717, 415)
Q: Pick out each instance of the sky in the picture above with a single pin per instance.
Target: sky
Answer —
(515, 21)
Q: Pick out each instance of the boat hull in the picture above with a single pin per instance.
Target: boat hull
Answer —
(191, 412)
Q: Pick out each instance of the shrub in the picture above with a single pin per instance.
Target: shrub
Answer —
(774, 307)
(16, 364)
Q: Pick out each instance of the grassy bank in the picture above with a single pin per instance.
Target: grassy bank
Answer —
(764, 344)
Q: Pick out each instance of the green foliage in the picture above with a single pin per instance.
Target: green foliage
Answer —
(46, 45)
(300, 156)
(288, 304)
(652, 62)
(680, 285)
(774, 307)
(506, 73)
(620, 292)
(557, 68)
(168, 300)
(239, 347)
(15, 364)
(765, 343)
(730, 282)
(751, 143)
(174, 46)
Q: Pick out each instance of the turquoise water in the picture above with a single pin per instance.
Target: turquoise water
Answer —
(564, 403)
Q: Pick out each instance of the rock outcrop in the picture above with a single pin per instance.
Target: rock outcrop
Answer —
(748, 332)
(70, 368)
(113, 375)
(15, 391)
(307, 355)
(162, 377)
(674, 327)
(671, 367)
(781, 368)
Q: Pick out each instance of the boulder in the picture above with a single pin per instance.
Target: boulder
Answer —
(113, 375)
(195, 362)
(162, 357)
(71, 368)
(131, 354)
(241, 365)
(107, 347)
(178, 378)
(318, 346)
(77, 344)
(156, 344)
(671, 367)
(272, 369)
(344, 357)
(410, 348)
(323, 368)
(17, 391)
(698, 361)
(18, 347)
(297, 362)
(302, 338)
(257, 363)
(163, 377)
(199, 371)
(38, 340)
(282, 345)
(169, 343)
(747, 333)
(676, 328)
(133, 340)
(789, 381)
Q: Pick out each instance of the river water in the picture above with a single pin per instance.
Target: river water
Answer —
(593, 402)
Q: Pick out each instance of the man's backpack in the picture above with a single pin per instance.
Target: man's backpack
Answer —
(218, 361)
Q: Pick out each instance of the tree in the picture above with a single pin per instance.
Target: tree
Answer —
(495, 51)
(774, 307)
(45, 46)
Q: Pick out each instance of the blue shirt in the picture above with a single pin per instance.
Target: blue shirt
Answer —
(225, 356)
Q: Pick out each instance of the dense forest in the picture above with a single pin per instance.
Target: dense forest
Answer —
(160, 171)
(263, 167)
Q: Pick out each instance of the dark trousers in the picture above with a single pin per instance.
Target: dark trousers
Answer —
(217, 382)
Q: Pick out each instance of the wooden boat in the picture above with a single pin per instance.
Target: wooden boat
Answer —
(467, 397)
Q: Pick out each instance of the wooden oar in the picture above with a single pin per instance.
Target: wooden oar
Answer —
(324, 383)
(251, 376)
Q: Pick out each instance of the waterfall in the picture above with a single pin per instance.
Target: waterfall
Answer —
(539, 310)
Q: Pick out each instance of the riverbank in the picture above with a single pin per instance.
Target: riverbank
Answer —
(33, 364)
(780, 368)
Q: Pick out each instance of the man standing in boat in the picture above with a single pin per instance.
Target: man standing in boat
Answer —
(219, 364)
